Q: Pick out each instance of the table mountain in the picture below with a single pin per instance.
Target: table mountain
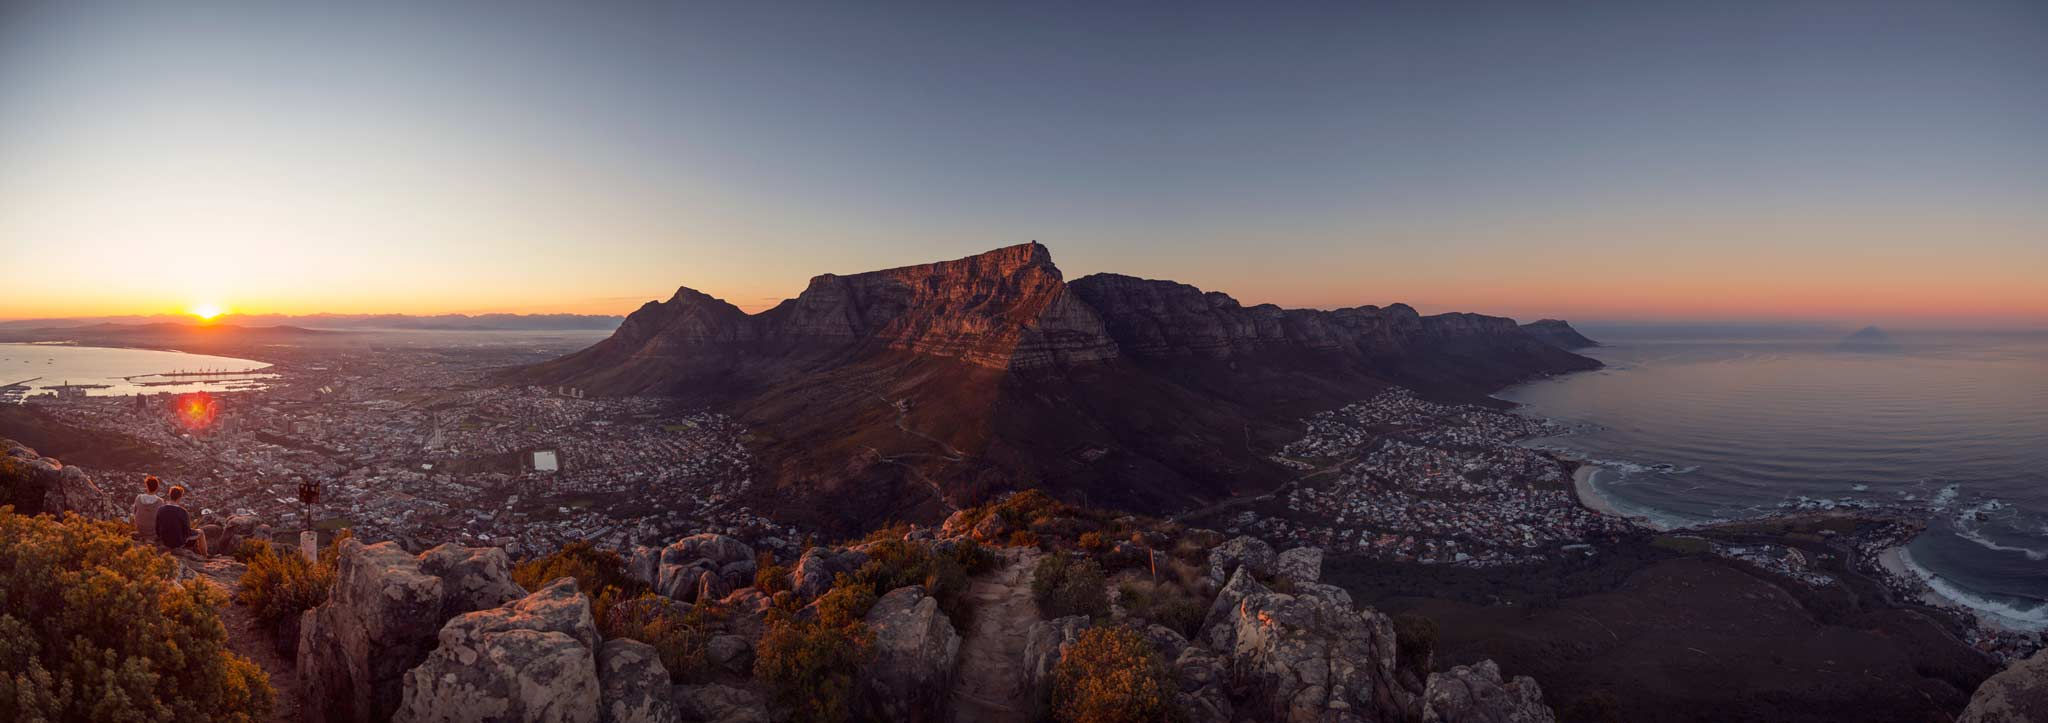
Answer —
(906, 392)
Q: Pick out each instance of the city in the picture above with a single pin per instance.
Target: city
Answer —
(1405, 479)
(420, 446)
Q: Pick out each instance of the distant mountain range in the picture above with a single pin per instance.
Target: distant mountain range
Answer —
(901, 393)
(441, 322)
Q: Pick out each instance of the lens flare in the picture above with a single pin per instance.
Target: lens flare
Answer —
(195, 410)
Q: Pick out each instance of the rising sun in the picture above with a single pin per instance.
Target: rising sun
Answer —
(206, 312)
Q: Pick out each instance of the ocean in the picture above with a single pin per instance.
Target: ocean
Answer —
(1695, 425)
(102, 371)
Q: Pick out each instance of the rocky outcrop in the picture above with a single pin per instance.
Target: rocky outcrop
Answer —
(915, 654)
(2016, 694)
(1301, 657)
(534, 660)
(37, 484)
(1203, 677)
(1249, 552)
(704, 564)
(1300, 565)
(1557, 333)
(473, 578)
(1309, 656)
(632, 685)
(720, 704)
(382, 619)
(644, 565)
(1217, 630)
(813, 573)
(1043, 646)
(1475, 694)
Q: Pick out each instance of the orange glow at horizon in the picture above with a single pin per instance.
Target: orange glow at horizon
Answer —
(206, 311)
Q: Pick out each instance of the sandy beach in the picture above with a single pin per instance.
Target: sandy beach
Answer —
(1582, 482)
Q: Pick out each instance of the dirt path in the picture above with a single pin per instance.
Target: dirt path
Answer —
(990, 685)
(247, 637)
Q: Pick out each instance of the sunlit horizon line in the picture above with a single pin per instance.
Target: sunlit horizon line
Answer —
(1987, 320)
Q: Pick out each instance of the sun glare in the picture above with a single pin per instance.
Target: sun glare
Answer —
(206, 312)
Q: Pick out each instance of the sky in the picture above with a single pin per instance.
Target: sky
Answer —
(1870, 162)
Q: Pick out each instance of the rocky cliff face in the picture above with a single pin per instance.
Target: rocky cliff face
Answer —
(1005, 309)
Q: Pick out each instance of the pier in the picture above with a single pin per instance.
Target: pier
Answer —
(200, 375)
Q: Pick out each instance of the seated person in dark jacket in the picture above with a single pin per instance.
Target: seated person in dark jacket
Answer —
(174, 524)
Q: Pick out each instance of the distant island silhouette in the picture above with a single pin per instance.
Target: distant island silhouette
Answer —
(1867, 339)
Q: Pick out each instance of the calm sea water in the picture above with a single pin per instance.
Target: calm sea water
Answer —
(1692, 426)
(121, 370)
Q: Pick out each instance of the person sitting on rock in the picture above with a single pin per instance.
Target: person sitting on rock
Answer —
(145, 508)
(174, 524)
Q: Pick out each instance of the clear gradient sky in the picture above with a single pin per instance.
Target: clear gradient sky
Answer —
(1870, 162)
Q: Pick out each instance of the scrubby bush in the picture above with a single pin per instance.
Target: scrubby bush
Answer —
(680, 639)
(944, 575)
(1066, 584)
(93, 627)
(14, 485)
(1024, 538)
(1415, 638)
(601, 574)
(279, 586)
(1164, 602)
(813, 665)
(1112, 675)
(1092, 542)
(769, 577)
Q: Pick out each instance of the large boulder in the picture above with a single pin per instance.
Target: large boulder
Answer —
(236, 529)
(382, 619)
(632, 685)
(812, 575)
(46, 485)
(1475, 694)
(957, 524)
(474, 578)
(718, 549)
(534, 660)
(679, 571)
(1044, 644)
(1218, 630)
(915, 654)
(2016, 694)
(1203, 679)
(733, 653)
(1305, 658)
(720, 704)
(681, 581)
(379, 621)
(1299, 565)
(1249, 552)
(644, 565)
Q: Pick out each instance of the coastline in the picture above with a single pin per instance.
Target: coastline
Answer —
(1582, 484)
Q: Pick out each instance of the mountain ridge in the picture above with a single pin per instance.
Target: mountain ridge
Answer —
(949, 381)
